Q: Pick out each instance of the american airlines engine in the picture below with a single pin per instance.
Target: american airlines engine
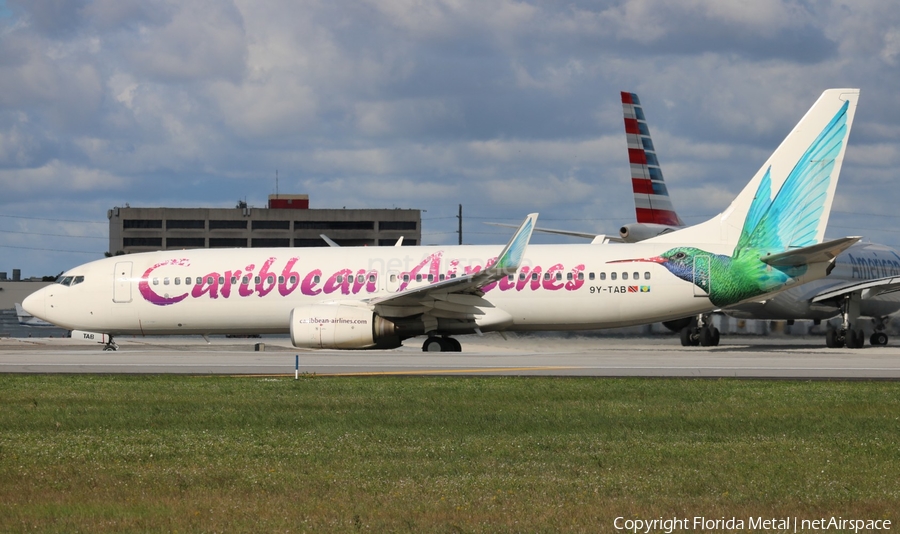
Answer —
(635, 232)
(329, 326)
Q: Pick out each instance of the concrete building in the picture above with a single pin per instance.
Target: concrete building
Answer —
(286, 222)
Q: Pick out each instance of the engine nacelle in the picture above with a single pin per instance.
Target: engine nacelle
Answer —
(634, 232)
(336, 326)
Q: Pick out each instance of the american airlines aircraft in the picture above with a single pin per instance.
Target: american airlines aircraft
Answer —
(769, 239)
(865, 280)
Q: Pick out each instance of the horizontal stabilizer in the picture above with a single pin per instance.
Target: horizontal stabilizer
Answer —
(822, 252)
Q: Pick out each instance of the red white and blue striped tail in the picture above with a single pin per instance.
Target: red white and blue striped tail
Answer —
(651, 198)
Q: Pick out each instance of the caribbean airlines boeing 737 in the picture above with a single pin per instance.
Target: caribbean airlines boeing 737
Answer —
(865, 280)
(769, 239)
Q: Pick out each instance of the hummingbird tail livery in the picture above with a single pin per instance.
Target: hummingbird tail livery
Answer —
(769, 239)
(787, 203)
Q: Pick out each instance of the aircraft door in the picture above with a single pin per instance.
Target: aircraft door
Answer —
(122, 282)
(392, 281)
(702, 276)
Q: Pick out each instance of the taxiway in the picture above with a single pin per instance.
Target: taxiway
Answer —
(576, 355)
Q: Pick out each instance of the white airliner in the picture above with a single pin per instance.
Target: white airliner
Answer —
(769, 239)
(865, 280)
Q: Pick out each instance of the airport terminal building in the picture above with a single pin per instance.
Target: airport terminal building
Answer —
(287, 221)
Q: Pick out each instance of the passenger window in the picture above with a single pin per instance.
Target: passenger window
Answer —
(612, 276)
(521, 276)
(581, 276)
(316, 279)
(221, 280)
(166, 281)
(177, 281)
(636, 276)
(188, 280)
(441, 278)
(534, 276)
(372, 278)
(602, 276)
(624, 276)
(233, 280)
(569, 276)
(431, 278)
(210, 280)
(156, 281)
(257, 280)
(510, 277)
(546, 276)
(590, 276)
(453, 276)
(245, 280)
(406, 277)
(647, 275)
(271, 279)
(360, 279)
(393, 278)
(418, 278)
(559, 276)
(293, 280)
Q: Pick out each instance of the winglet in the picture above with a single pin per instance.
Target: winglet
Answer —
(329, 241)
(508, 261)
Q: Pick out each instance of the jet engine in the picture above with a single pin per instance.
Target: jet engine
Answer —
(337, 326)
(634, 232)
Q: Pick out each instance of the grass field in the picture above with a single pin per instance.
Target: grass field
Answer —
(190, 454)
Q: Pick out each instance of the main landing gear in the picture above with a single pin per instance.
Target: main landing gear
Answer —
(850, 334)
(441, 344)
(703, 333)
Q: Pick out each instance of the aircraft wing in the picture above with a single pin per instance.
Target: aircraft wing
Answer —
(459, 298)
(868, 288)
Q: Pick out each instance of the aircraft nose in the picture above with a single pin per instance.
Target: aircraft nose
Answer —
(35, 304)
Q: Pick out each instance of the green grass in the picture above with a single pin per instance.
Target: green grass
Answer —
(186, 454)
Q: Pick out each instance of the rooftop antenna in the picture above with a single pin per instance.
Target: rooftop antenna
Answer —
(276, 183)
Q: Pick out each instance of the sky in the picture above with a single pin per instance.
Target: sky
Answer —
(506, 107)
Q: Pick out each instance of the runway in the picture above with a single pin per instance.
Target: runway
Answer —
(523, 355)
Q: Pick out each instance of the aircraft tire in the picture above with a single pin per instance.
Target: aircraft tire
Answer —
(878, 338)
(715, 336)
(860, 339)
(433, 344)
(831, 338)
(448, 344)
(706, 336)
(685, 336)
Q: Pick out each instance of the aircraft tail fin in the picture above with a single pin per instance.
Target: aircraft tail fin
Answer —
(651, 198)
(787, 203)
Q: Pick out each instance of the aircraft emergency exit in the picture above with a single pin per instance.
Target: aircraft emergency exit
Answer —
(769, 239)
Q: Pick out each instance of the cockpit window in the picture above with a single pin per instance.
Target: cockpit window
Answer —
(66, 280)
(77, 280)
